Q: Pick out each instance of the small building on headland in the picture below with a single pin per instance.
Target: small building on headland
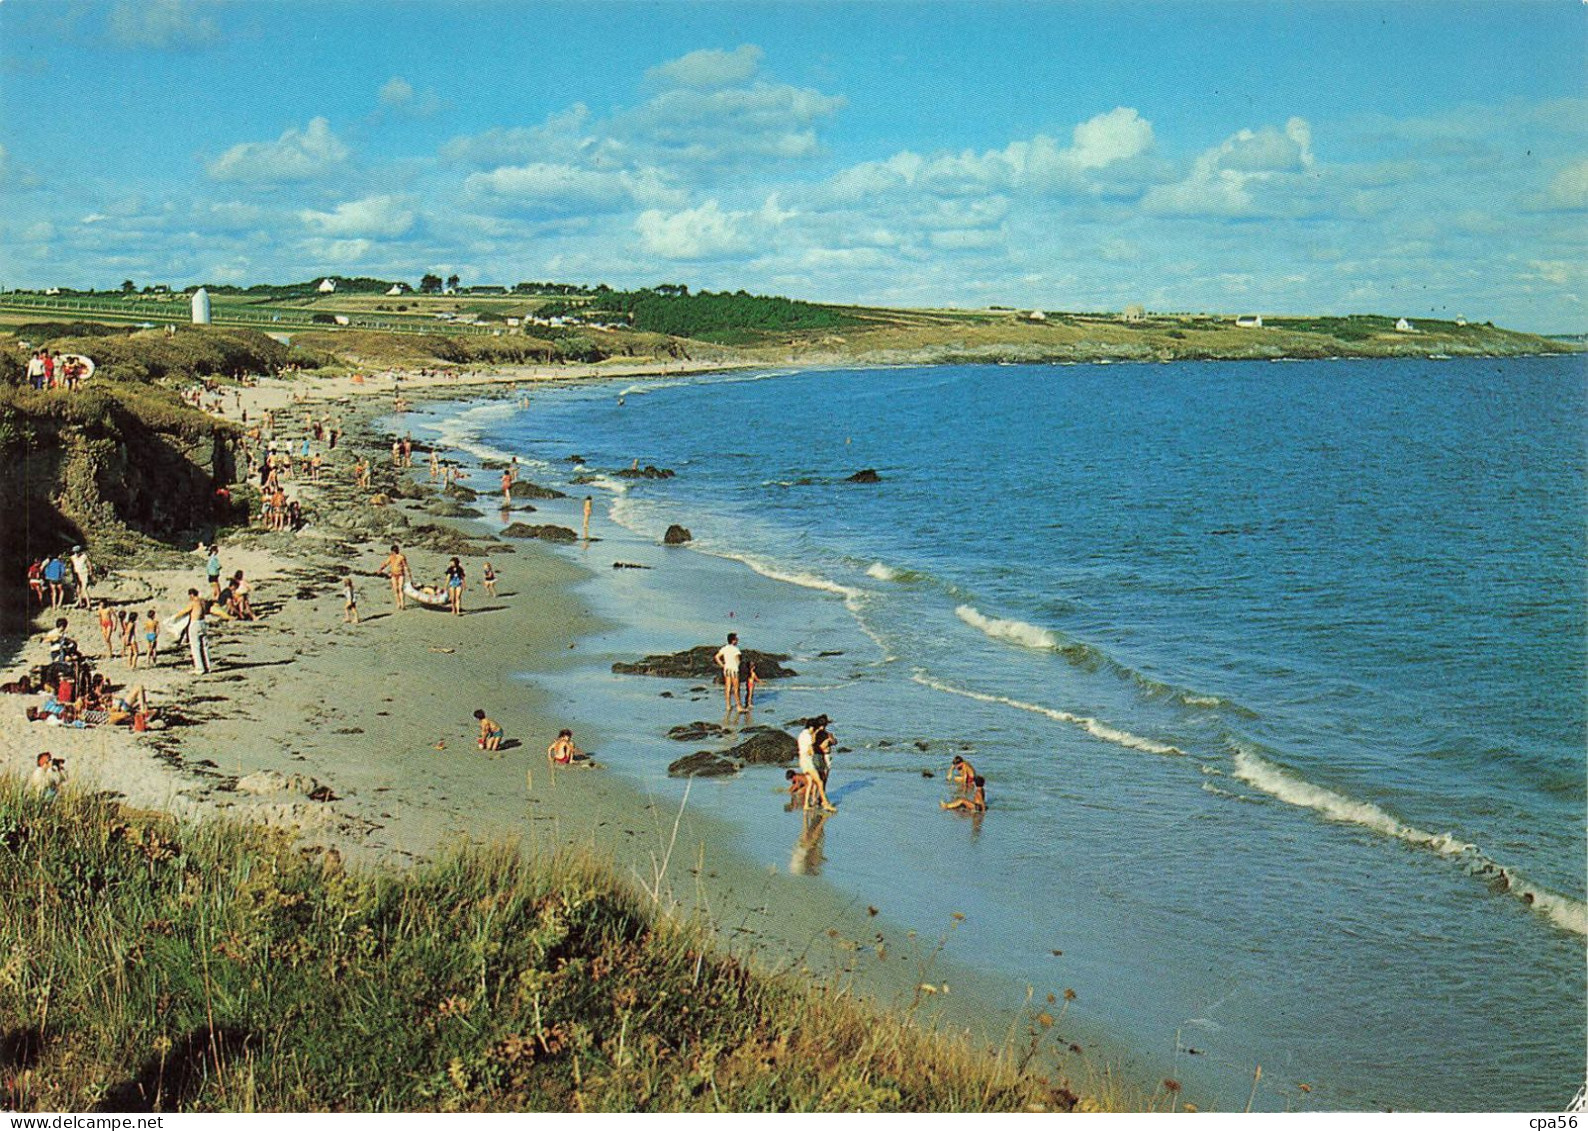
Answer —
(1405, 327)
(1135, 312)
(327, 286)
(201, 307)
(396, 289)
(1249, 321)
(1036, 316)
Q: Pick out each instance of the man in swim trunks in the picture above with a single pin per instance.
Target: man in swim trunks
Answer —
(727, 658)
(396, 567)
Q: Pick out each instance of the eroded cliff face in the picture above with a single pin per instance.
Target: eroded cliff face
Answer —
(105, 476)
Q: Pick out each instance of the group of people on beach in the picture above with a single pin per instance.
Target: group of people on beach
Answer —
(49, 576)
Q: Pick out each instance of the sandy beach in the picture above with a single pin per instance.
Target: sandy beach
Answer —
(380, 715)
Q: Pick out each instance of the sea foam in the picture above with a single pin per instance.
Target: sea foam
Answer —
(1563, 911)
(1011, 631)
(1090, 725)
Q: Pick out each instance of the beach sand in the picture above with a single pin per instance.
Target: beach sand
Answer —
(381, 714)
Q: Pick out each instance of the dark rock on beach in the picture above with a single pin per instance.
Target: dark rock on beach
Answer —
(868, 475)
(544, 533)
(695, 732)
(702, 764)
(524, 489)
(629, 565)
(766, 746)
(676, 536)
(696, 663)
(646, 472)
(461, 493)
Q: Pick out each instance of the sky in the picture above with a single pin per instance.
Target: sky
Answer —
(1405, 158)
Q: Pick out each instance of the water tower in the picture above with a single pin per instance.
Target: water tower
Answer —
(201, 307)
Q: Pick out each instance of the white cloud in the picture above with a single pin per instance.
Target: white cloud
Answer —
(709, 68)
(297, 155)
(160, 25)
(570, 188)
(1569, 187)
(696, 127)
(381, 216)
(1227, 180)
(706, 232)
(398, 91)
(1119, 134)
(562, 136)
(337, 251)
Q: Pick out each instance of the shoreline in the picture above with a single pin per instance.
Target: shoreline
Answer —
(387, 729)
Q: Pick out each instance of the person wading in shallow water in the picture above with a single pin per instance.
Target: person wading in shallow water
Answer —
(727, 658)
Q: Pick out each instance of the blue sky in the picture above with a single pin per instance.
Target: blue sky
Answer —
(1426, 159)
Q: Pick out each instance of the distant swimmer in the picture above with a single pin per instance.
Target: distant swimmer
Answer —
(975, 803)
(727, 658)
(961, 773)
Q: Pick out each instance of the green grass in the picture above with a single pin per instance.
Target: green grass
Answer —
(146, 965)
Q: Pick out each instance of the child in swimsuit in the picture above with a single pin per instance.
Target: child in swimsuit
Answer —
(562, 752)
(975, 803)
(107, 621)
(151, 636)
(488, 576)
(490, 732)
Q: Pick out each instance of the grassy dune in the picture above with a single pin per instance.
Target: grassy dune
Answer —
(150, 966)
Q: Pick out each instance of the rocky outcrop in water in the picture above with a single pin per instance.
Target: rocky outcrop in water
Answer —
(676, 536)
(524, 489)
(646, 472)
(867, 475)
(696, 663)
(703, 764)
(544, 533)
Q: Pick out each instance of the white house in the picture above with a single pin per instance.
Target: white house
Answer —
(396, 289)
(1037, 316)
(342, 320)
(1404, 326)
(201, 307)
(1250, 321)
(327, 286)
(1135, 312)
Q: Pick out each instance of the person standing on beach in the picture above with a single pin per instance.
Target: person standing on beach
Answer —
(349, 600)
(83, 571)
(824, 742)
(488, 577)
(212, 569)
(455, 586)
(107, 623)
(587, 518)
(197, 637)
(55, 578)
(805, 744)
(507, 489)
(396, 567)
(151, 637)
(727, 658)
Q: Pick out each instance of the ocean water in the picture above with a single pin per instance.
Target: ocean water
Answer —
(1275, 672)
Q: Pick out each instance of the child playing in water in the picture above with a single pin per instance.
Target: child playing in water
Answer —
(975, 803)
(961, 773)
(747, 681)
(490, 733)
(797, 785)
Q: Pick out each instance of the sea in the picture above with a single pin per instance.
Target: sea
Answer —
(1275, 672)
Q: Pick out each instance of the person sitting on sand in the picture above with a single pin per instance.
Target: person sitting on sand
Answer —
(563, 752)
(727, 658)
(241, 590)
(490, 732)
(961, 773)
(396, 567)
(455, 587)
(123, 707)
(975, 803)
(49, 774)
